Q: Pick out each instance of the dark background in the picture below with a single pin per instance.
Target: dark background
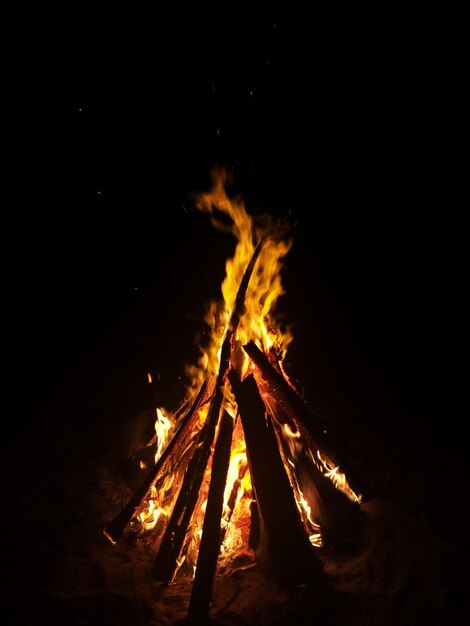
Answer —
(349, 125)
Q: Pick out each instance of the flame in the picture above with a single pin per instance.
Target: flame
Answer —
(265, 286)
(161, 498)
(162, 427)
(328, 469)
(257, 323)
(338, 478)
(149, 378)
(291, 445)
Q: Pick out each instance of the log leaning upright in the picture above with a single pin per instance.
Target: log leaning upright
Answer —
(173, 539)
(115, 529)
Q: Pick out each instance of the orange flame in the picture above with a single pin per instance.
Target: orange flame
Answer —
(265, 285)
(259, 324)
(338, 478)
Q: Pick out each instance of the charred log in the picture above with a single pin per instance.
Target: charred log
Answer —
(175, 533)
(211, 531)
(289, 556)
(115, 529)
(170, 548)
(311, 424)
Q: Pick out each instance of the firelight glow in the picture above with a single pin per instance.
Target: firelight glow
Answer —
(258, 323)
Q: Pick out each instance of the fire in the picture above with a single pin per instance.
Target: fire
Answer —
(338, 478)
(162, 427)
(258, 324)
(238, 495)
(291, 447)
(161, 498)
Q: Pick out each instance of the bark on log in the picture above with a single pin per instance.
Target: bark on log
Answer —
(115, 529)
(209, 547)
(310, 424)
(288, 554)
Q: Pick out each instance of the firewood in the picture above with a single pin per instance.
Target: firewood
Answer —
(286, 554)
(310, 424)
(115, 529)
(209, 547)
(173, 539)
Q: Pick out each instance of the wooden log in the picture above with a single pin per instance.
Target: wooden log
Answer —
(115, 529)
(310, 424)
(173, 539)
(209, 547)
(287, 553)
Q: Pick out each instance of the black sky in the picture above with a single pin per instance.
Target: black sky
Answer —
(351, 127)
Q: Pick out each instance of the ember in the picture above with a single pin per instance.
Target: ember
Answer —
(242, 467)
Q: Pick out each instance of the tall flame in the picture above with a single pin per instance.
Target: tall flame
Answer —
(258, 324)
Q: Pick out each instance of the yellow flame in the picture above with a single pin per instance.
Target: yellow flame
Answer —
(338, 478)
(257, 323)
(162, 427)
(291, 445)
(159, 502)
(265, 287)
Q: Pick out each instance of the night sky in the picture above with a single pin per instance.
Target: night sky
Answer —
(349, 127)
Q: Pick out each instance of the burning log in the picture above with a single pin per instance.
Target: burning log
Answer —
(289, 556)
(115, 529)
(167, 558)
(166, 562)
(170, 548)
(281, 507)
(311, 425)
(211, 531)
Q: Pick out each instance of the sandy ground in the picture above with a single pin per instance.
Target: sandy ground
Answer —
(408, 565)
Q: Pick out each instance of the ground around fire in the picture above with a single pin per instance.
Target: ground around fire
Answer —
(350, 128)
(76, 422)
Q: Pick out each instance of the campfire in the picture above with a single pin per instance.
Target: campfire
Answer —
(244, 472)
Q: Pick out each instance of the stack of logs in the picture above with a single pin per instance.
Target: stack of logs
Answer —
(289, 555)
